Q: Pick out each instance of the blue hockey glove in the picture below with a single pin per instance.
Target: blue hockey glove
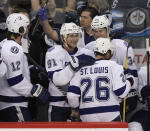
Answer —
(43, 13)
(41, 93)
(145, 92)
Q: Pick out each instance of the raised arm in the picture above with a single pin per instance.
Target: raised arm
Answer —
(49, 31)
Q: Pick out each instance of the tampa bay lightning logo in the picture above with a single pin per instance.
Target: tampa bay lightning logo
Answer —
(14, 49)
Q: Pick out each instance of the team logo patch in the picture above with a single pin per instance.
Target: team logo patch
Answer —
(14, 49)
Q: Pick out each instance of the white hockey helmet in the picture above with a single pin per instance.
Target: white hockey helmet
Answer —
(99, 22)
(69, 28)
(17, 21)
(102, 45)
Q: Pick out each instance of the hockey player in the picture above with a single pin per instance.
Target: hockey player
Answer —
(61, 65)
(122, 51)
(101, 28)
(140, 115)
(15, 85)
(95, 89)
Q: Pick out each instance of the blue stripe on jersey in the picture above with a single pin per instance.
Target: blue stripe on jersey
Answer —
(13, 99)
(51, 73)
(74, 89)
(100, 109)
(57, 98)
(132, 72)
(15, 80)
(120, 91)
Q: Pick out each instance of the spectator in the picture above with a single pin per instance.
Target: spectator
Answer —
(3, 27)
(86, 18)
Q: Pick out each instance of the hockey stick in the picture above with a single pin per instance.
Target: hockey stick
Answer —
(147, 52)
(124, 100)
(44, 2)
(148, 100)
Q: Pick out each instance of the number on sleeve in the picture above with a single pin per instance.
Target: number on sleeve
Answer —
(51, 63)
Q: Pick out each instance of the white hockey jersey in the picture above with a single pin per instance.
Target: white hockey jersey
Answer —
(15, 85)
(119, 52)
(57, 60)
(142, 77)
(96, 90)
(119, 56)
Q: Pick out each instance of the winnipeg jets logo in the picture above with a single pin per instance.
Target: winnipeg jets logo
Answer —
(14, 49)
(137, 17)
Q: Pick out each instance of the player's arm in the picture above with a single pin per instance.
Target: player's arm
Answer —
(49, 31)
(143, 88)
(3, 68)
(61, 74)
(121, 86)
(57, 71)
(74, 91)
(13, 57)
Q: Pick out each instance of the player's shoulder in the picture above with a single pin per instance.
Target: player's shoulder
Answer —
(86, 51)
(114, 64)
(10, 47)
(142, 69)
(55, 49)
(119, 42)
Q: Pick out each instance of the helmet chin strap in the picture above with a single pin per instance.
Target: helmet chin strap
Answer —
(67, 45)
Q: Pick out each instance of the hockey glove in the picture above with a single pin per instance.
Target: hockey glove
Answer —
(74, 63)
(130, 78)
(41, 93)
(43, 13)
(145, 92)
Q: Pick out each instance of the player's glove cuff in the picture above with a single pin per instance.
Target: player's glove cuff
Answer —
(74, 63)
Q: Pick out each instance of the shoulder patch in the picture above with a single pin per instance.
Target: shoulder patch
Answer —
(14, 49)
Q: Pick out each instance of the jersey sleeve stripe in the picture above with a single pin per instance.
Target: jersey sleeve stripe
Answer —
(15, 80)
(120, 91)
(74, 89)
(51, 73)
(132, 72)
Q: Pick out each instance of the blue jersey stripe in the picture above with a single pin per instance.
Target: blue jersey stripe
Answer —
(132, 72)
(100, 109)
(51, 73)
(13, 99)
(120, 91)
(15, 80)
(57, 98)
(74, 89)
